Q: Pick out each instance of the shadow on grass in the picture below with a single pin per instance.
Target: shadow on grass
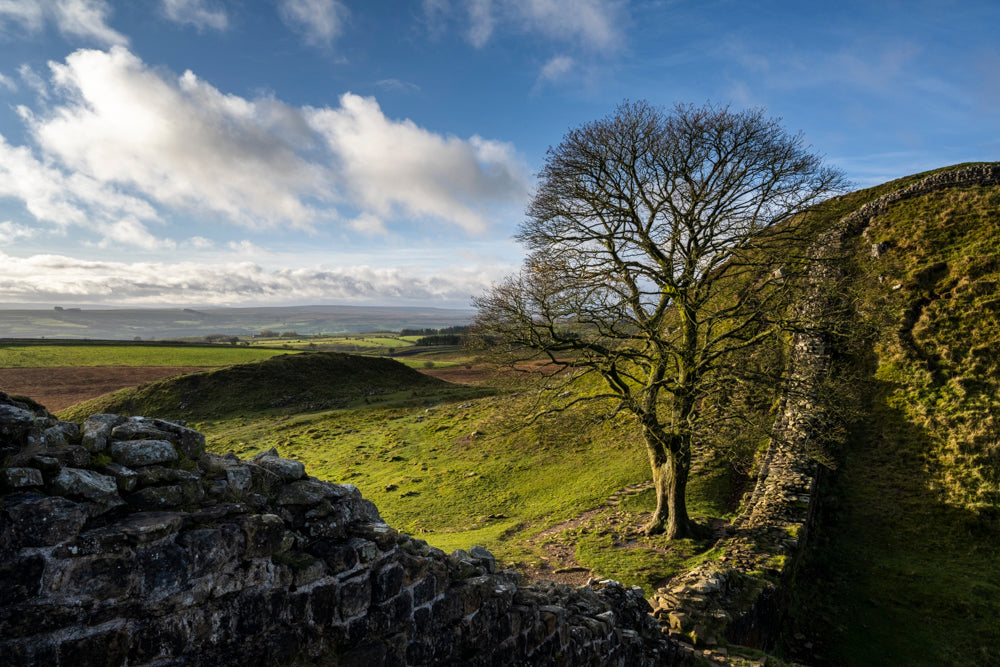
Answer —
(893, 575)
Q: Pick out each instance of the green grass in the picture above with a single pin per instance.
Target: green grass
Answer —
(903, 565)
(357, 343)
(430, 477)
(454, 465)
(20, 355)
(284, 384)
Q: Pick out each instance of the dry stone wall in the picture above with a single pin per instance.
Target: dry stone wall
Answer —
(740, 598)
(124, 543)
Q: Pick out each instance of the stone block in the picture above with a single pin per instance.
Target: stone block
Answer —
(146, 527)
(163, 569)
(126, 478)
(42, 521)
(264, 534)
(136, 453)
(366, 550)
(61, 434)
(288, 470)
(158, 496)
(382, 535)
(239, 479)
(14, 479)
(387, 582)
(212, 549)
(355, 597)
(424, 590)
(20, 578)
(339, 558)
(392, 613)
(101, 578)
(190, 443)
(303, 492)
(86, 484)
(97, 431)
(15, 423)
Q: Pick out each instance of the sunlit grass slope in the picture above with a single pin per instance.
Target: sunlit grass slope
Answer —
(904, 569)
(455, 465)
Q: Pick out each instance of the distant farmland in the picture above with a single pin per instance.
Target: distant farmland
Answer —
(128, 324)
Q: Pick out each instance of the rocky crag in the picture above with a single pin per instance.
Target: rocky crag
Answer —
(125, 543)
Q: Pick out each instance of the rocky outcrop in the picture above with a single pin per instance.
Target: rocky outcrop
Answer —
(123, 542)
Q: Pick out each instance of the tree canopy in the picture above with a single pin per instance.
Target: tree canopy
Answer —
(651, 260)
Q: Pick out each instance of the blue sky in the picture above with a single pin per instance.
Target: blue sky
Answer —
(273, 152)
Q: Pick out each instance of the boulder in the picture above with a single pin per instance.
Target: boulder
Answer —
(86, 484)
(135, 453)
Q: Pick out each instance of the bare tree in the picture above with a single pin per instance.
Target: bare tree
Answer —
(652, 241)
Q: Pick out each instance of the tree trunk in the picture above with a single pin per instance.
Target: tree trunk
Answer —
(670, 475)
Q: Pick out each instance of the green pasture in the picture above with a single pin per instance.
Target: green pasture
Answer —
(18, 355)
(462, 470)
(360, 343)
(455, 465)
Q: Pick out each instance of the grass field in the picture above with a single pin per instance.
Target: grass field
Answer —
(455, 465)
(21, 355)
(455, 470)
(380, 343)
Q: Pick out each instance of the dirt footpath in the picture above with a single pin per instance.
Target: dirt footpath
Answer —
(58, 388)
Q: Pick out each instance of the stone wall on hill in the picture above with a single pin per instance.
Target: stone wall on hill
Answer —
(740, 597)
(125, 543)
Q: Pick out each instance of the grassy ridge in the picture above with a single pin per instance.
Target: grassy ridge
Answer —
(280, 384)
(35, 355)
(906, 556)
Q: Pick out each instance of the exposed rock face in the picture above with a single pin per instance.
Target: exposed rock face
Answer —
(125, 543)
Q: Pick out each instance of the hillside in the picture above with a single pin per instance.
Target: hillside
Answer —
(301, 382)
(901, 561)
(905, 551)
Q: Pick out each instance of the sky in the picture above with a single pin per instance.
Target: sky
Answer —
(160, 153)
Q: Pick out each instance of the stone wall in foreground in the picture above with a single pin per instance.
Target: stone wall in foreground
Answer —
(124, 543)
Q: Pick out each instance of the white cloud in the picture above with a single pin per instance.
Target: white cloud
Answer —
(7, 82)
(53, 196)
(369, 225)
(480, 22)
(118, 145)
(200, 243)
(56, 277)
(319, 21)
(11, 231)
(196, 13)
(397, 85)
(131, 232)
(556, 68)
(33, 81)
(28, 14)
(397, 168)
(247, 249)
(181, 142)
(86, 19)
(591, 24)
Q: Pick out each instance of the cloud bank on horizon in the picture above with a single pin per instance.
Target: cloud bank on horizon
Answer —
(214, 152)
